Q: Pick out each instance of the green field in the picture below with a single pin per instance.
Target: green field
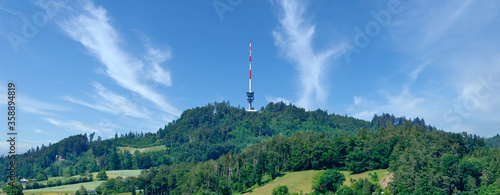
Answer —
(148, 149)
(71, 189)
(381, 174)
(302, 181)
(120, 173)
(295, 181)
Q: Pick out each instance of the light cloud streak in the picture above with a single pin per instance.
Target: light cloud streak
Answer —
(91, 27)
(36, 106)
(294, 38)
(403, 104)
(455, 47)
(74, 126)
(107, 101)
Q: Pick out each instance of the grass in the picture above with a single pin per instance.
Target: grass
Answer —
(380, 172)
(124, 193)
(295, 181)
(302, 180)
(148, 149)
(120, 173)
(70, 189)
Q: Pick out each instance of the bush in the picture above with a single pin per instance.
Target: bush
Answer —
(102, 175)
(41, 176)
(280, 190)
(345, 190)
(82, 190)
(329, 181)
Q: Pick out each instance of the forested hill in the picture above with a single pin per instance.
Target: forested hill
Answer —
(210, 131)
(200, 134)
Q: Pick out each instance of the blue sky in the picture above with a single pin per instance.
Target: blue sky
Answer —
(121, 66)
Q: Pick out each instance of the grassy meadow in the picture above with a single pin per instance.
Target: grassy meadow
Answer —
(71, 189)
(301, 181)
(148, 149)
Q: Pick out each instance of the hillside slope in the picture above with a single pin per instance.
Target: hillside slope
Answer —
(301, 181)
(200, 134)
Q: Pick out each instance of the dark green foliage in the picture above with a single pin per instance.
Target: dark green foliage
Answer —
(99, 189)
(357, 161)
(82, 191)
(329, 181)
(41, 176)
(102, 175)
(364, 186)
(36, 185)
(200, 134)
(493, 142)
(280, 190)
(219, 149)
(422, 161)
(15, 189)
(345, 190)
(118, 185)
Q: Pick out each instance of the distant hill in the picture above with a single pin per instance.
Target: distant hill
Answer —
(493, 142)
(200, 134)
(221, 148)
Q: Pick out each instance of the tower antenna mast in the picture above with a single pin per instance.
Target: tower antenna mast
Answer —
(250, 93)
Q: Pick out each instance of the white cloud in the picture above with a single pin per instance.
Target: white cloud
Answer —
(365, 115)
(453, 44)
(294, 38)
(358, 100)
(414, 74)
(156, 72)
(107, 101)
(74, 126)
(37, 107)
(91, 27)
(402, 104)
(39, 131)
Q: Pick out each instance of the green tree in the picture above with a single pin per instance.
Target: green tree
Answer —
(329, 181)
(280, 190)
(99, 189)
(102, 175)
(345, 190)
(82, 191)
(15, 189)
(41, 176)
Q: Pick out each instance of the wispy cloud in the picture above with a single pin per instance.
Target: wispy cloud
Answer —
(452, 44)
(294, 38)
(37, 107)
(414, 74)
(74, 126)
(402, 104)
(107, 101)
(91, 27)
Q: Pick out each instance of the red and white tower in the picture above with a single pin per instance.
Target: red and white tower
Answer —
(250, 93)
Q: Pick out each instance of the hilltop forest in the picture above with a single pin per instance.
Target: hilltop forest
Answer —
(220, 149)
